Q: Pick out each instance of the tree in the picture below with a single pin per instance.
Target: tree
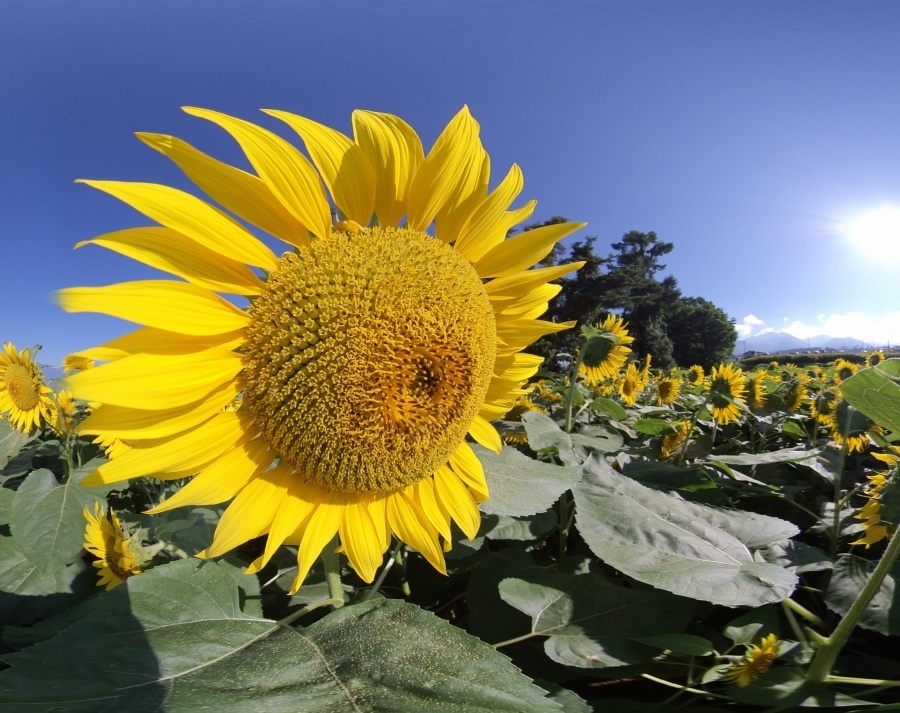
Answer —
(701, 333)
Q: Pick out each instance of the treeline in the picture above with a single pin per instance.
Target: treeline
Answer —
(676, 330)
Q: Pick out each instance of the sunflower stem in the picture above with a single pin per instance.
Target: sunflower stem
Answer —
(373, 590)
(835, 535)
(332, 566)
(570, 396)
(825, 657)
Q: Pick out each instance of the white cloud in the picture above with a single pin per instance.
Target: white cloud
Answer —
(746, 326)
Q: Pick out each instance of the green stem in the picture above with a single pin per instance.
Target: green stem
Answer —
(690, 433)
(383, 574)
(670, 684)
(880, 683)
(795, 625)
(515, 640)
(802, 611)
(333, 573)
(564, 509)
(290, 618)
(835, 534)
(570, 396)
(825, 657)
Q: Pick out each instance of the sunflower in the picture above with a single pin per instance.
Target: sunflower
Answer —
(695, 376)
(66, 410)
(797, 392)
(875, 358)
(725, 384)
(106, 540)
(630, 385)
(645, 371)
(667, 390)
(74, 362)
(824, 404)
(874, 529)
(757, 660)
(607, 367)
(671, 442)
(24, 396)
(369, 350)
(522, 405)
(843, 370)
(756, 390)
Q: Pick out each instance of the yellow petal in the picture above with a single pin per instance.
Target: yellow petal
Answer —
(491, 412)
(519, 367)
(321, 529)
(524, 250)
(378, 513)
(147, 381)
(469, 469)
(520, 284)
(360, 541)
(423, 493)
(164, 304)
(485, 434)
(192, 450)
(251, 512)
(537, 298)
(149, 340)
(489, 221)
(395, 152)
(411, 525)
(342, 164)
(139, 424)
(451, 170)
(458, 501)
(242, 193)
(296, 508)
(286, 171)
(222, 479)
(520, 332)
(472, 191)
(167, 250)
(192, 217)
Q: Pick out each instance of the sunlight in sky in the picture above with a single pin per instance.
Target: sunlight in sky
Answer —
(877, 233)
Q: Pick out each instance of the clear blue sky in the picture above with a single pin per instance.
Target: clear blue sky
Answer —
(746, 133)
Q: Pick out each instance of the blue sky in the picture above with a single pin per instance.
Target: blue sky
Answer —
(750, 134)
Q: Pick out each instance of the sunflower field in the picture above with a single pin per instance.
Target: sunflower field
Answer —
(324, 473)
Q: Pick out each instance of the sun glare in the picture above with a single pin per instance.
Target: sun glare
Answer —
(877, 232)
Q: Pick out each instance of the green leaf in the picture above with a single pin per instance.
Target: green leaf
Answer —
(796, 557)
(651, 426)
(6, 498)
(589, 624)
(490, 618)
(609, 407)
(788, 455)
(850, 575)
(793, 429)
(47, 519)
(573, 448)
(11, 442)
(876, 394)
(521, 529)
(686, 548)
(521, 486)
(174, 639)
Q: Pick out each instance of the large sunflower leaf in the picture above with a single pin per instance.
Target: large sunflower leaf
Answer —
(47, 519)
(851, 574)
(589, 624)
(521, 486)
(174, 638)
(686, 548)
(876, 394)
(11, 442)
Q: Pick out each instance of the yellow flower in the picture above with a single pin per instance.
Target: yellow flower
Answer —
(874, 529)
(824, 404)
(630, 385)
(756, 661)
(105, 539)
(366, 356)
(875, 357)
(609, 366)
(725, 383)
(756, 390)
(695, 376)
(843, 370)
(75, 362)
(65, 411)
(522, 406)
(645, 372)
(672, 442)
(797, 392)
(667, 390)
(24, 397)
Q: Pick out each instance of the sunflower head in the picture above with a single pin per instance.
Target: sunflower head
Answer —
(605, 350)
(725, 385)
(843, 370)
(672, 442)
(758, 659)
(25, 398)
(371, 350)
(76, 362)
(630, 385)
(848, 427)
(105, 538)
(756, 390)
(667, 390)
(695, 376)
(875, 358)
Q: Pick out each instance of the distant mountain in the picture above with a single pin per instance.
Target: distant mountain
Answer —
(771, 342)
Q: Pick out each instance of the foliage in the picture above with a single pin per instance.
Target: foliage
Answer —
(701, 333)
(615, 567)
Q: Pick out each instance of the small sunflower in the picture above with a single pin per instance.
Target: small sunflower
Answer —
(106, 540)
(695, 376)
(797, 392)
(874, 529)
(630, 385)
(610, 364)
(667, 390)
(875, 358)
(24, 396)
(824, 404)
(757, 660)
(371, 349)
(756, 390)
(725, 384)
(74, 362)
(672, 442)
(843, 370)
(522, 405)
(66, 410)
(645, 371)
(847, 427)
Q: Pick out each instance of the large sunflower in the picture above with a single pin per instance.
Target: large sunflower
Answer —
(24, 396)
(725, 385)
(608, 365)
(367, 354)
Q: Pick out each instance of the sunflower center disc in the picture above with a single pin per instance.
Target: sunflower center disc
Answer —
(367, 357)
(19, 383)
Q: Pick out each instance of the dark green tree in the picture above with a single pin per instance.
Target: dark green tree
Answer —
(700, 332)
